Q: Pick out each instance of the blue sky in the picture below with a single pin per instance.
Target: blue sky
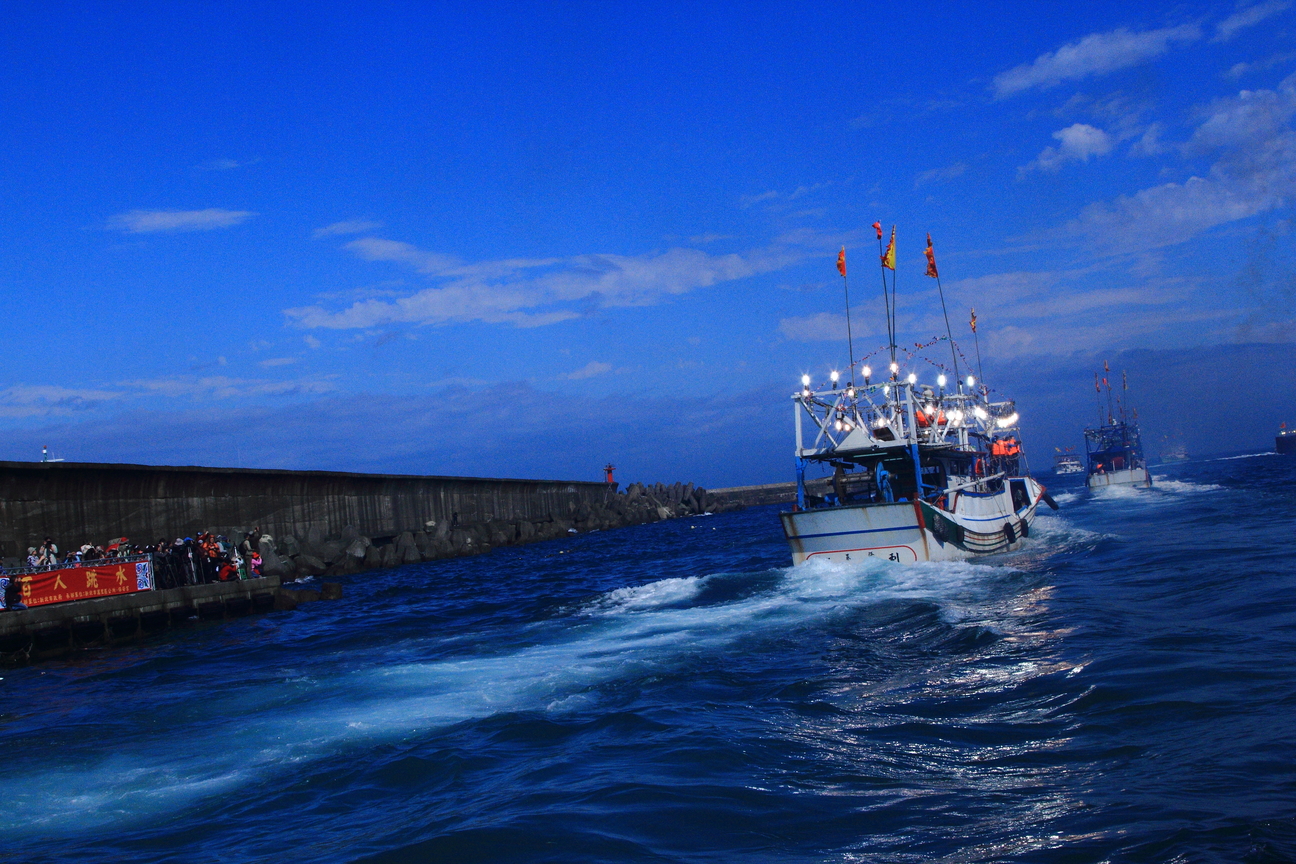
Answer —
(524, 240)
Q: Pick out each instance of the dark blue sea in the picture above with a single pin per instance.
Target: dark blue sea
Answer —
(1124, 689)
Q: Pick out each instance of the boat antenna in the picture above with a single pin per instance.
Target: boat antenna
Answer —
(935, 274)
(886, 300)
(1106, 380)
(976, 339)
(850, 342)
(1124, 394)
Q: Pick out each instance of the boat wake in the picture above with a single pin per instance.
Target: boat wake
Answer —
(231, 739)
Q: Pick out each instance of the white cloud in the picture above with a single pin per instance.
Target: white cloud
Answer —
(1251, 138)
(748, 200)
(1095, 54)
(347, 226)
(222, 387)
(148, 221)
(22, 400)
(1150, 144)
(1249, 17)
(1237, 70)
(934, 174)
(278, 361)
(312, 341)
(831, 326)
(589, 370)
(224, 164)
(535, 292)
(1078, 142)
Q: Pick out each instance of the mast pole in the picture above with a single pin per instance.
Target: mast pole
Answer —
(886, 300)
(949, 334)
(977, 340)
(850, 342)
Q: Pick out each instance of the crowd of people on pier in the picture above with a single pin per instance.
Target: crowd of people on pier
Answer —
(184, 561)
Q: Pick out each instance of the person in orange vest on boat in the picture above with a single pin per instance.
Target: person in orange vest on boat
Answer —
(1005, 447)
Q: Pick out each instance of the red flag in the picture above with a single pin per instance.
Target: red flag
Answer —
(1105, 384)
(841, 262)
(877, 226)
(931, 259)
(973, 322)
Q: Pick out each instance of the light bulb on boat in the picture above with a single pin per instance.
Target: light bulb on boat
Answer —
(867, 372)
(971, 381)
(895, 367)
(834, 376)
(805, 380)
(886, 389)
(913, 379)
(941, 379)
(956, 416)
(1005, 422)
(980, 413)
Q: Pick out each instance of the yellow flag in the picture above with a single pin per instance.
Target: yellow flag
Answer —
(888, 257)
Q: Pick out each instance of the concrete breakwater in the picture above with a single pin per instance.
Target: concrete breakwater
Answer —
(318, 521)
(350, 551)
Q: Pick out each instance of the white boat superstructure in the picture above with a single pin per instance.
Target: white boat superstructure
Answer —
(1067, 462)
(921, 472)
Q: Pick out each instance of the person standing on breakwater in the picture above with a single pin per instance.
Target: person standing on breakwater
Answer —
(48, 553)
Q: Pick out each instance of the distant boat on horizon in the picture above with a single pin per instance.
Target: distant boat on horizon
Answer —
(1173, 449)
(1067, 462)
(1285, 440)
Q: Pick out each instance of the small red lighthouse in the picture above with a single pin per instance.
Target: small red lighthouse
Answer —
(609, 468)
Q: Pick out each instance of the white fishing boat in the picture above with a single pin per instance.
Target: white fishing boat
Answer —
(924, 468)
(1115, 456)
(1067, 462)
(1113, 449)
(920, 473)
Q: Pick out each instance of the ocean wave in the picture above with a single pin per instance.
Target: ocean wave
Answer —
(635, 598)
(1165, 484)
(558, 669)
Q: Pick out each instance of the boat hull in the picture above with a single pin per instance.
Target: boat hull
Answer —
(908, 532)
(1121, 477)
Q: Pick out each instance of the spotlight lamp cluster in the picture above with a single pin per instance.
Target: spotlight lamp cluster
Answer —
(899, 410)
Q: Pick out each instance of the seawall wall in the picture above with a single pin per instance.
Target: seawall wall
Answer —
(85, 502)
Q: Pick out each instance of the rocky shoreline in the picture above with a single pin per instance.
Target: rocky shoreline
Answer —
(320, 554)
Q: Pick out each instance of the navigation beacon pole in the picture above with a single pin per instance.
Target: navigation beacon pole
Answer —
(977, 340)
(949, 334)
(850, 342)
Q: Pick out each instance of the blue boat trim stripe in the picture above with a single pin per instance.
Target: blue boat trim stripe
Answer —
(913, 527)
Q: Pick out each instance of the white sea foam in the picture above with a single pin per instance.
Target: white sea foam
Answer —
(1245, 456)
(258, 732)
(1165, 484)
(664, 592)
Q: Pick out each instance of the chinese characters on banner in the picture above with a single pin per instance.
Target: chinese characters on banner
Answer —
(83, 583)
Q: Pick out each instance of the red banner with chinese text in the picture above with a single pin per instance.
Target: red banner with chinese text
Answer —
(84, 583)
